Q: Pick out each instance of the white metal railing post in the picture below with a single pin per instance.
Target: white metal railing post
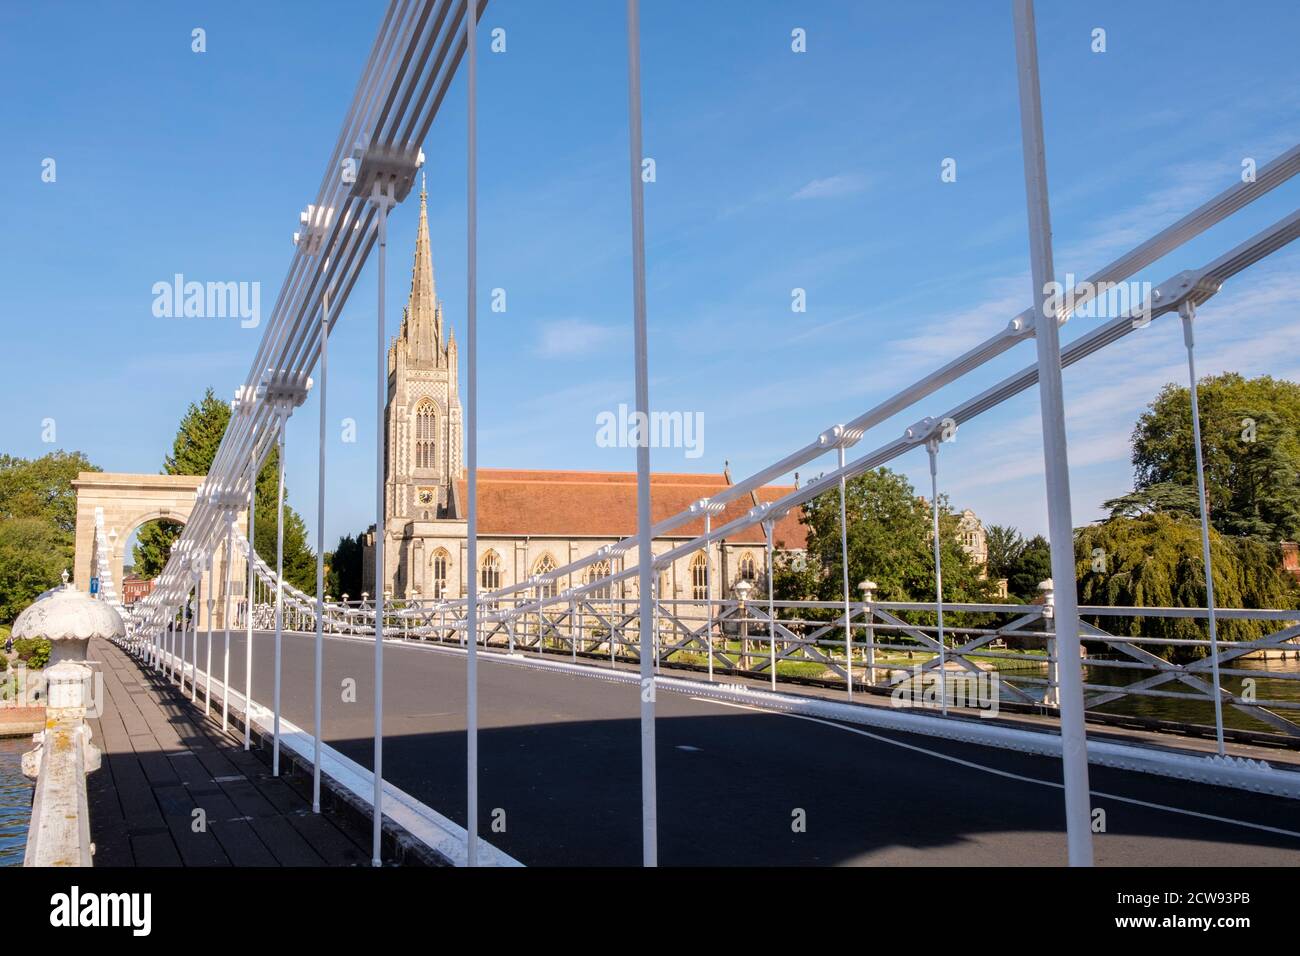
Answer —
(178, 640)
(212, 603)
(1187, 310)
(384, 200)
(769, 529)
(537, 595)
(283, 416)
(250, 588)
(225, 620)
(1051, 694)
(471, 428)
(868, 589)
(649, 801)
(1074, 745)
(655, 597)
(844, 560)
(932, 448)
(708, 587)
(194, 637)
(320, 555)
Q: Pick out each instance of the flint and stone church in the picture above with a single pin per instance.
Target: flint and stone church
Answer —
(530, 521)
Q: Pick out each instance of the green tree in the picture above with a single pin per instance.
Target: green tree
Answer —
(1155, 560)
(195, 447)
(344, 576)
(1005, 545)
(1250, 431)
(1164, 497)
(1032, 566)
(153, 544)
(38, 522)
(889, 542)
(33, 556)
(42, 488)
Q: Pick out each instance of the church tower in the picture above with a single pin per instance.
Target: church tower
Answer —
(423, 418)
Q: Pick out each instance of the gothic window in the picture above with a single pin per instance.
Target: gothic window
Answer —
(490, 572)
(595, 572)
(748, 569)
(545, 565)
(699, 577)
(426, 435)
(439, 577)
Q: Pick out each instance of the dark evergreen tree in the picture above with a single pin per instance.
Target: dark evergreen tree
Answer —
(1032, 566)
(344, 575)
(1005, 545)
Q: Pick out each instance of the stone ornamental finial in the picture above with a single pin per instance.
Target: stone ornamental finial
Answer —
(68, 619)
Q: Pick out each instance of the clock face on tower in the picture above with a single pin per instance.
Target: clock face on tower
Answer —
(425, 496)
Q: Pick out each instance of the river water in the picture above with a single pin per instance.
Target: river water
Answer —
(1269, 685)
(15, 800)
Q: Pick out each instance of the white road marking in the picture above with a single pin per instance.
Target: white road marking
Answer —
(1006, 773)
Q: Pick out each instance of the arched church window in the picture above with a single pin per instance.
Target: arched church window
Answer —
(699, 577)
(441, 559)
(426, 435)
(596, 572)
(545, 565)
(748, 569)
(490, 572)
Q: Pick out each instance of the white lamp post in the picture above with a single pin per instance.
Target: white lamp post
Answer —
(868, 589)
(742, 589)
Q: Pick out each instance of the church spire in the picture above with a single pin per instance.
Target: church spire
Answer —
(422, 323)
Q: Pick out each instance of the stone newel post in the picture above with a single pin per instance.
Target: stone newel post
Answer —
(59, 834)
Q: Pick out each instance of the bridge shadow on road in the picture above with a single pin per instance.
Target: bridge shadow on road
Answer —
(762, 790)
(560, 771)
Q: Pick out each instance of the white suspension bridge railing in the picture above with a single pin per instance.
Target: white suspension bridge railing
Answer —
(887, 642)
(415, 55)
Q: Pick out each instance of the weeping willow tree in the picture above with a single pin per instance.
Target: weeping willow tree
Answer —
(1154, 560)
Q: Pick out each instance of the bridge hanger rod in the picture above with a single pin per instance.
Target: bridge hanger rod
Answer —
(347, 209)
(308, 345)
(298, 301)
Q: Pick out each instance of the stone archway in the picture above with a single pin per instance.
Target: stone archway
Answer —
(129, 501)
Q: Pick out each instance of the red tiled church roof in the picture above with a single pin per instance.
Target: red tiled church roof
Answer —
(603, 504)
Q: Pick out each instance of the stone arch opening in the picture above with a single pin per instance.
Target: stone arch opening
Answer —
(128, 502)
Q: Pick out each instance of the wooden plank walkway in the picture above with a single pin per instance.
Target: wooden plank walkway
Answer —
(163, 760)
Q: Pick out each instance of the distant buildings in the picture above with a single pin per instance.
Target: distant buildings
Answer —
(1291, 558)
(135, 587)
(530, 522)
(975, 542)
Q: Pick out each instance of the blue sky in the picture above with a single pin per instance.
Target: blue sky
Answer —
(775, 170)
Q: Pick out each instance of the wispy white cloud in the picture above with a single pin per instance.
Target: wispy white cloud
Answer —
(831, 187)
(570, 338)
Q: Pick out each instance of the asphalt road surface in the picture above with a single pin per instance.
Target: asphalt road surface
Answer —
(560, 763)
